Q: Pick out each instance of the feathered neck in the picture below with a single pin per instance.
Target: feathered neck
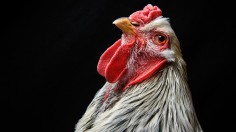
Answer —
(162, 101)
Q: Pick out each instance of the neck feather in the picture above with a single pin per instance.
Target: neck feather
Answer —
(163, 101)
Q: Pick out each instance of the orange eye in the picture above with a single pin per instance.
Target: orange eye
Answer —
(160, 39)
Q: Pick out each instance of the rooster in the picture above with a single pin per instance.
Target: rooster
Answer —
(146, 88)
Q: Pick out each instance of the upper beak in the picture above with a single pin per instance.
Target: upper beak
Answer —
(125, 25)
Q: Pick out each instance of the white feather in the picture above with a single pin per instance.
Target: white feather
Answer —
(158, 22)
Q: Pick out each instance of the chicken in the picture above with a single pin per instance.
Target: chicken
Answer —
(146, 88)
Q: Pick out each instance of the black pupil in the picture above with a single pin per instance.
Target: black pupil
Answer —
(161, 38)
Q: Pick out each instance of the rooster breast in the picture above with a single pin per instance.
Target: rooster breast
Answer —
(149, 106)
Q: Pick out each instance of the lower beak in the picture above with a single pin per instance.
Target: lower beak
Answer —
(125, 25)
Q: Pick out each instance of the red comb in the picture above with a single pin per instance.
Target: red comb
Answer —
(146, 15)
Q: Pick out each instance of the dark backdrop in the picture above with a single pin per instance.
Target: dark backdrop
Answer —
(52, 49)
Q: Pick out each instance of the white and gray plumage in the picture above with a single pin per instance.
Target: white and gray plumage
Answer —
(144, 97)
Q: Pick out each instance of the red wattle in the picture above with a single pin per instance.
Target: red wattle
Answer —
(146, 71)
(106, 57)
(112, 63)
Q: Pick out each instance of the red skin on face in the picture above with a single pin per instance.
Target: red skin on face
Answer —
(113, 63)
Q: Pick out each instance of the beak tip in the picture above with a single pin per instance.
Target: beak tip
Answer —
(119, 20)
(114, 22)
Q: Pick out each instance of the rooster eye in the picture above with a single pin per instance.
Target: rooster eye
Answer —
(160, 39)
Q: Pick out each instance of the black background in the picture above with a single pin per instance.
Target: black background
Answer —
(51, 51)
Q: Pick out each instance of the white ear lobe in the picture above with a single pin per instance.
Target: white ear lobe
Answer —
(168, 54)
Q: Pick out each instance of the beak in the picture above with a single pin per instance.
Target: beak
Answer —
(125, 25)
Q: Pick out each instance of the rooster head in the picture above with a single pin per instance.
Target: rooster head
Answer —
(147, 45)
